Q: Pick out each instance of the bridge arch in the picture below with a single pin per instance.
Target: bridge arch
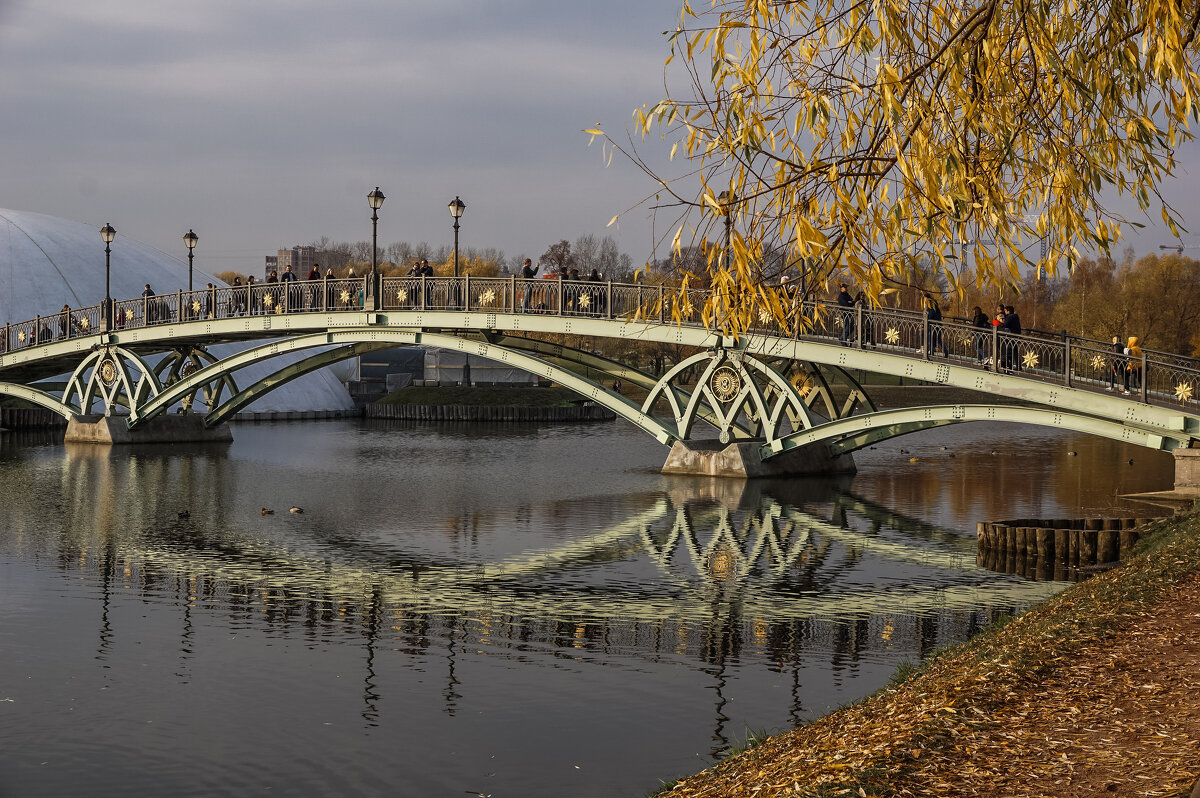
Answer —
(855, 432)
(38, 397)
(355, 341)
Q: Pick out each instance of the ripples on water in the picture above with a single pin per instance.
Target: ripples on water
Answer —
(517, 611)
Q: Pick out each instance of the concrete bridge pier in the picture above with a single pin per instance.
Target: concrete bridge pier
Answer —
(115, 431)
(742, 460)
(1187, 470)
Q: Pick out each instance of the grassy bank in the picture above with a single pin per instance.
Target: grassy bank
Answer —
(1092, 692)
(483, 396)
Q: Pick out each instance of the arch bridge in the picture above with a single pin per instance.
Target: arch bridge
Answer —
(780, 399)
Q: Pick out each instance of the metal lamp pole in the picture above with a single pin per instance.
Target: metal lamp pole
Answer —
(456, 210)
(107, 234)
(727, 199)
(375, 199)
(190, 239)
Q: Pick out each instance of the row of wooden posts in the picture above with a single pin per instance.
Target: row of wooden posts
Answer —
(1069, 541)
(489, 413)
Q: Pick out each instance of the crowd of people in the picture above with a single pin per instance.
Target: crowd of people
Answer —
(1124, 363)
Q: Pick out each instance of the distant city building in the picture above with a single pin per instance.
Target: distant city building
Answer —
(301, 259)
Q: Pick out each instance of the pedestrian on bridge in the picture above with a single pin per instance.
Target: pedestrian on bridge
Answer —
(272, 297)
(528, 273)
(846, 302)
(66, 324)
(1117, 369)
(933, 323)
(980, 322)
(288, 279)
(1133, 365)
(253, 296)
(1012, 325)
(868, 322)
(314, 277)
(149, 305)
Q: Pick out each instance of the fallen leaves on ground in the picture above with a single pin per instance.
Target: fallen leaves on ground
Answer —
(1097, 692)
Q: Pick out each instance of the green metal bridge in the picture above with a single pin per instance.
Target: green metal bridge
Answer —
(777, 391)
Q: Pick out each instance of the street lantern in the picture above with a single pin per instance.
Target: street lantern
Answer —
(107, 234)
(190, 239)
(375, 200)
(457, 207)
(726, 199)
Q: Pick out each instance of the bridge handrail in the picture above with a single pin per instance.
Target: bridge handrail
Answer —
(1074, 361)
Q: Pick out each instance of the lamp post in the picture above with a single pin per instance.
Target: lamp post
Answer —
(190, 239)
(375, 199)
(727, 199)
(107, 234)
(457, 207)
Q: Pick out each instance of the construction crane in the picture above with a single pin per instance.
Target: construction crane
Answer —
(1179, 247)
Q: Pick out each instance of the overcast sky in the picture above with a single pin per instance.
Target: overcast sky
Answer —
(265, 124)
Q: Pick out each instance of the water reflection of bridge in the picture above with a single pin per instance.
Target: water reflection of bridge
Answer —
(727, 574)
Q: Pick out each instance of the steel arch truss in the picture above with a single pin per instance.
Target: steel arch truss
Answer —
(855, 432)
(114, 377)
(348, 343)
(739, 395)
(38, 397)
(185, 361)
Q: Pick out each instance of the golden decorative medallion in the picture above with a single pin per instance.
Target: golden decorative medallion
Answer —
(1097, 362)
(489, 296)
(401, 295)
(195, 306)
(585, 300)
(21, 336)
(764, 317)
(84, 323)
(725, 383)
(128, 314)
(1030, 359)
(1183, 391)
(268, 300)
(345, 296)
(892, 335)
(279, 308)
(108, 371)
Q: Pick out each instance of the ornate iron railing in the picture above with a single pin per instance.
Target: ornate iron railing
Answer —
(1156, 377)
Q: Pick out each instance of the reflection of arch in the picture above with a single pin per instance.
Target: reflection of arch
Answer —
(850, 434)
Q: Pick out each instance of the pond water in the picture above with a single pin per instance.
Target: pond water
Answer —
(504, 610)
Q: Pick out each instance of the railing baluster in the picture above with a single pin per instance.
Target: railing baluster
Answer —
(1067, 362)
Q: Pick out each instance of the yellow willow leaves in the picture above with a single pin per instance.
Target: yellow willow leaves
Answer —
(908, 127)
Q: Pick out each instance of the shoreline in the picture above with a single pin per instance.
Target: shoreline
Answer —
(1094, 691)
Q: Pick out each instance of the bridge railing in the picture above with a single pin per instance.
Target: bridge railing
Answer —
(1157, 377)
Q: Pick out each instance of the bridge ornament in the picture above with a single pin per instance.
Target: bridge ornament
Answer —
(726, 384)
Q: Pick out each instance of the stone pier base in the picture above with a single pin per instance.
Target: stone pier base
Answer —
(1187, 470)
(113, 430)
(741, 460)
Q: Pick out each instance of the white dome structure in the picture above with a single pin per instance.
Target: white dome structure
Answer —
(47, 262)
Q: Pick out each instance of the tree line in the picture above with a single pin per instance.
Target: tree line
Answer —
(395, 260)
